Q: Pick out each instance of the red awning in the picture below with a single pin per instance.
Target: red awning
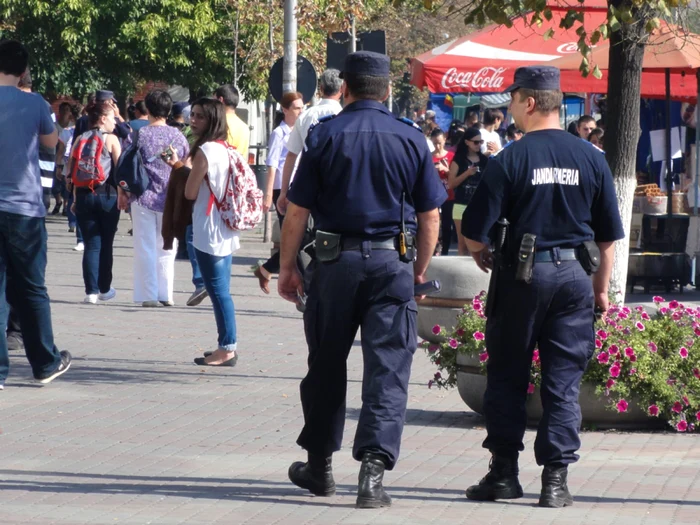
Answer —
(486, 60)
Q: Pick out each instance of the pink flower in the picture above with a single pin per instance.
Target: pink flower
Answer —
(610, 383)
(685, 400)
(639, 326)
(658, 299)
(652, 347)
(677, 407)
(603, 358)
(682, 425)
(613, 349)
(697, 416)
(677, 316)
(629, 351)
(433, 348)
(626, 331)
(622, 316)
(625, 309)
(483, 357)
(536, 356)
(602, 334)
(436, 329)
(633, 371)
(598, 343)
(639, 308)
(622, 405)
(664, 310)
(697, 331)
(454, 343)
(673, 305)
(670, 381)
(683, 352)
(645, 316)
(689, 343)
(696, 372)
(633, 358)
(530, 388)
(479, 336)
(430, 384)
(615, 370)
(460, 332)
(653, 410)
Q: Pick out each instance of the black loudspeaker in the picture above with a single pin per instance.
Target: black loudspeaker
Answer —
(338, 45)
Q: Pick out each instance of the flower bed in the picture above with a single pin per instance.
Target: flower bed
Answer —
(649, 359)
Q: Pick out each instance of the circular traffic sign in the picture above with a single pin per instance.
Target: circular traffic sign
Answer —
(306, 79)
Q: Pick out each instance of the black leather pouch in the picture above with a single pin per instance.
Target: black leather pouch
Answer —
(589, 256)
(328, 246)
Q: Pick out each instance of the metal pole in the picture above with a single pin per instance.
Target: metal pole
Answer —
(289, 71)
(353, 36)
(697, 145)
(669, 161)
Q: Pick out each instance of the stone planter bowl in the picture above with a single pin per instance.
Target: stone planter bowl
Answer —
(462, 280)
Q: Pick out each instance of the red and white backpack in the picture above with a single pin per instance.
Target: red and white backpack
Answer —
(241, 205)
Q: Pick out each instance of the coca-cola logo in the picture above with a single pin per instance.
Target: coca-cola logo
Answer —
(486, 77)
(569, 47)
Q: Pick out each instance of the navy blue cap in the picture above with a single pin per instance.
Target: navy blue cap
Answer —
(103, 95)
(179, 108)
(541, 78)
(366, 63)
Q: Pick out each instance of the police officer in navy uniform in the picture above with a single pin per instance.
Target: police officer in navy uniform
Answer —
(354, 173)
(553, 188)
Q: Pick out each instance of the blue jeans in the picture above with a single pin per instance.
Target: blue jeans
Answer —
(72, 220)
(98, 218)
(23, 258)
(196, 273)
(216, 272)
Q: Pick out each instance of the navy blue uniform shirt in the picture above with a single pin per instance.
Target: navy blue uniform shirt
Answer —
(356, 166)
(551, 184)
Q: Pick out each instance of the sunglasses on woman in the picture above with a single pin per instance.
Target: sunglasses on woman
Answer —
(477, 142)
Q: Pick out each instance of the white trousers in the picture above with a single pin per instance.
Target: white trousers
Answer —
(154, 267)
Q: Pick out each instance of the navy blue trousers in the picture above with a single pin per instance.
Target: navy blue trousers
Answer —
(554, 312)
(372, 290)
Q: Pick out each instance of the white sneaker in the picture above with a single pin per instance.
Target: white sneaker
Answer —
(80, 247)
(90, 299)
(107, 296)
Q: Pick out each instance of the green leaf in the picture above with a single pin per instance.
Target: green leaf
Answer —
(547, 13)
(548, 34)
(595, 37)
(614, 24)
(597, 73)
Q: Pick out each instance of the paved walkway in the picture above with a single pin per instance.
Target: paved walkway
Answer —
(136, 433)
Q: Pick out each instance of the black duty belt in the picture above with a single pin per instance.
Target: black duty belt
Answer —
(565, 254)
(350, 244)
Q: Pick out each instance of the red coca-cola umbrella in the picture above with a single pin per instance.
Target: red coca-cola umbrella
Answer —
(669, 48)
(486, 60)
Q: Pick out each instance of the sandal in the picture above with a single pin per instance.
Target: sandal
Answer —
(262, 280)
(201, 361)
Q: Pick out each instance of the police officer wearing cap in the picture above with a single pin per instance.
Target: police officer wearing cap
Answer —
(369, 182)
(557, 195)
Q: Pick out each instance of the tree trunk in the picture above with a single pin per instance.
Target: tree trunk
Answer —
(622, 127)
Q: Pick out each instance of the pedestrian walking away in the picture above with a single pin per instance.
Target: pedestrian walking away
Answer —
(25, 123)
(550, 203)
(369, 182)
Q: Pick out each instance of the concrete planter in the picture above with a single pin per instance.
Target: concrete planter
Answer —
(472, 385)
(461, 281)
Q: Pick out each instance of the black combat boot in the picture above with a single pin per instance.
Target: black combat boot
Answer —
(316, 475)
(501, 482)
(370, 492)
(555, 492)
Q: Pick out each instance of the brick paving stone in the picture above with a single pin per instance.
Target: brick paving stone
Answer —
(135, 433)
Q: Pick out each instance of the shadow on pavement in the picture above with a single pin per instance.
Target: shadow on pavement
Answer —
(433, 418)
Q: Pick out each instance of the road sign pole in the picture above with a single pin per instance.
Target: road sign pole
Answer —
(289, 73)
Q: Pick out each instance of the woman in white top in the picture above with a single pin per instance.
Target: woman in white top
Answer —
(213, 240)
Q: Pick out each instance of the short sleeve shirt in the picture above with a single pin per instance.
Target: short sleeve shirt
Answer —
(277, 151)
(152, 141)
(23, 118)
(310, 118)
(490, 136)
(355, 168)
(238, 134)
(550, 184)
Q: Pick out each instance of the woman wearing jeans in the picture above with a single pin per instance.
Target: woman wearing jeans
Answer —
(214, 242)
(96, 209)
